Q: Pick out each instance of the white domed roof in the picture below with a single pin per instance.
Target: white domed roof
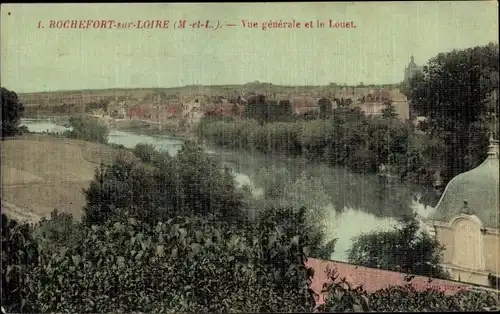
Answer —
(475, 192)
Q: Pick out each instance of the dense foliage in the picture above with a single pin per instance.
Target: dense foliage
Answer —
(347, 138)
(88, 129)
(458, 93)
(19, 253)
(341, 296)
(180, 265)
(403, 249)
(54, 109)
(128, 265)
(143, 221)
(408, 299)
(192, 182)
(12, 111)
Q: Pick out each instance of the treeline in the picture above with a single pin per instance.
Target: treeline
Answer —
(63, 109)
(173, 234)
(347, 138)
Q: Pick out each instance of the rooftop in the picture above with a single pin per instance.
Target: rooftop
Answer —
(474, 192)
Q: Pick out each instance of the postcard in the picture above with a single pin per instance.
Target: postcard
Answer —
(250, 157)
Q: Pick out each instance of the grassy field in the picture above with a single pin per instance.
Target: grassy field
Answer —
(40, 173)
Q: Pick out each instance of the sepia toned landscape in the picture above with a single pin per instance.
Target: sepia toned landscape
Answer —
(209, 166)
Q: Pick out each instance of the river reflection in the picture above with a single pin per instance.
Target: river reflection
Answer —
(366, 192)
(360, 202)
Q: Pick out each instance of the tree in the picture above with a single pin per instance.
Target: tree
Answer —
(389, 112)
(404, 249)
(192, 182)
(256, 108)
(453, 93)
(286, 107)
(145, 152)
(96, 105)
(12, 111)
(324, 106)
(235, 110)
(88, 129)
(57, 231)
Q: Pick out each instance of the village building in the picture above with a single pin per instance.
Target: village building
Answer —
(466, 221)
(224, 110)
(401, 104)
(377, 100)
(304, 104)
(191, 110)
(139, 113)
(116, 109)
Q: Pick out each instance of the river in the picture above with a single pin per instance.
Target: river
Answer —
(359, 202)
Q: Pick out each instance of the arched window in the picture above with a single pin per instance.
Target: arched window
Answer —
(468, 252)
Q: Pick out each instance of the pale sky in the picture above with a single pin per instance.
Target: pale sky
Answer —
(375, 52)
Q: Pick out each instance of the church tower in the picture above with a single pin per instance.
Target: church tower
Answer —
(411, 69)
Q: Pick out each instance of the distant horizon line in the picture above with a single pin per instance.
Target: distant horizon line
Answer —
(197, 85)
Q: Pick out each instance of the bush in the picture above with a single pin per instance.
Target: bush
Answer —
(128, 265)
(404, 249)
(19, 253)
(407, 299)
(88, 129)
(59, 231)
(192, 182)
(145, 152)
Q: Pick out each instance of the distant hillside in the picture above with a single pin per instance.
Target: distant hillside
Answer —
(87, 96)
